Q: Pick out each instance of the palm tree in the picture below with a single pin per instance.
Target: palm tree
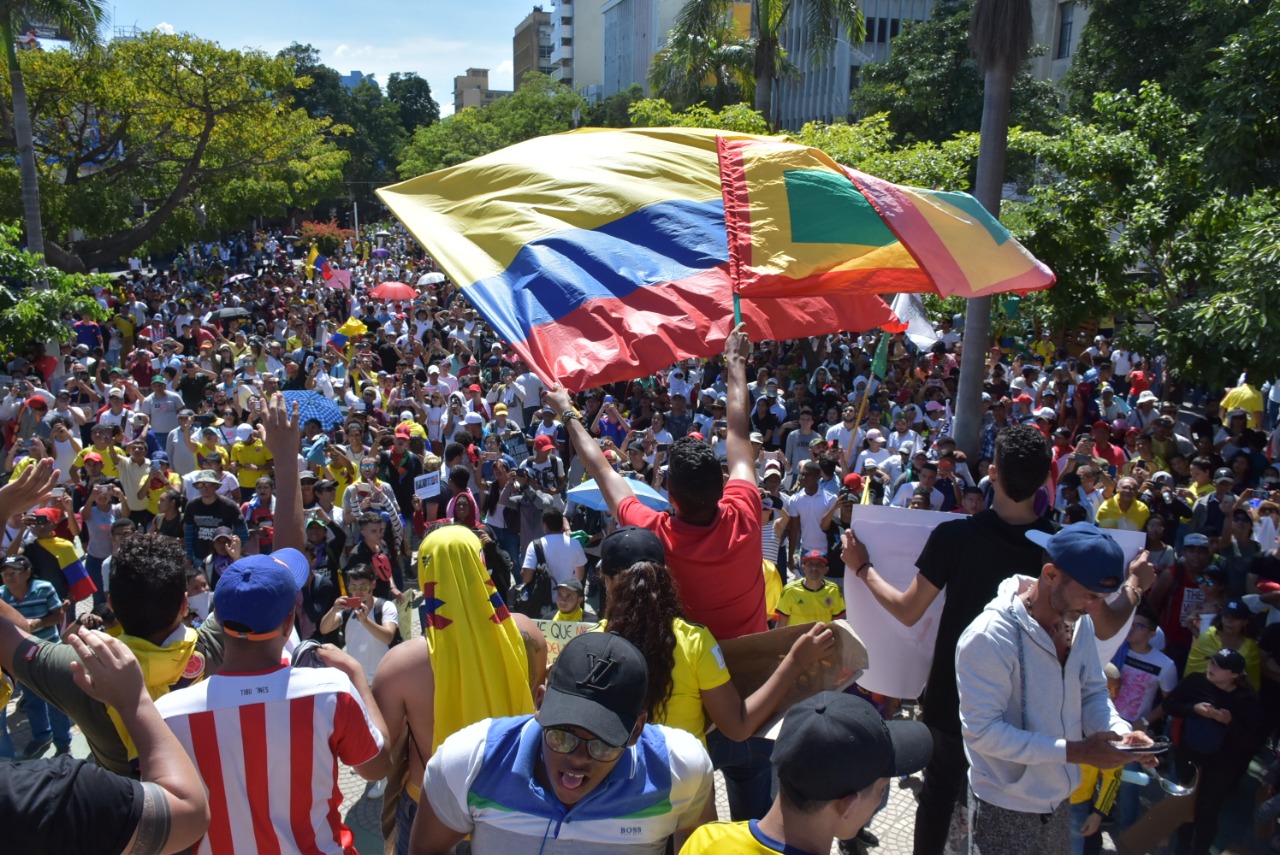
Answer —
(1000, 34)
(78, 19)
(690, 69)
(768, 17)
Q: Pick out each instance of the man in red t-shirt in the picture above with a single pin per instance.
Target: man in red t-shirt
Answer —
(713, 539)
(713, 546)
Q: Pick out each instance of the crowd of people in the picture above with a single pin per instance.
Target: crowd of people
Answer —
(260, 523)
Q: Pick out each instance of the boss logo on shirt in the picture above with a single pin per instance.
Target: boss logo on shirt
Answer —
(630, 830)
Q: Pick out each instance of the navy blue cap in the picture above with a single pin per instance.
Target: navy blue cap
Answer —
(255, 593)
(1085, 553)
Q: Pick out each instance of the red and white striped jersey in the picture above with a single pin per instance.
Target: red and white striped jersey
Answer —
(267, 745)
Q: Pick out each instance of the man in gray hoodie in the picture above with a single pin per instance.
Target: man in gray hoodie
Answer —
(1033, 698)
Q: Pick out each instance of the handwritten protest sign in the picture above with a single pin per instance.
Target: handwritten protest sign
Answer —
(899, 655)
(559, 633)
(427, 486)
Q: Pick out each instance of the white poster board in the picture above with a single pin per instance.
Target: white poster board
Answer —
(428, 485)
(899, 656)
(560, 632)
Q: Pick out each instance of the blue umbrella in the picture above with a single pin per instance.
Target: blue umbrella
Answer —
(313, 405)
(588, 494)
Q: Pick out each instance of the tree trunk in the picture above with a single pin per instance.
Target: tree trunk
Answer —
(764, 69)
(992, 149)
(25, 143)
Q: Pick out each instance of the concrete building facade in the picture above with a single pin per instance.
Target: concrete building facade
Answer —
(531, 46)
(472, 90)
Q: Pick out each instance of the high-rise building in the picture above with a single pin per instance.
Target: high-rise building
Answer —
(531, 46)
(1056, 24)
(577, 47)
(822, 92)
(472, 90)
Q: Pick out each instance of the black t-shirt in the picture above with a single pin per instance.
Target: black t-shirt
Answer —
(208, 518)
(968, 559)
(67, 805)
(191, 387)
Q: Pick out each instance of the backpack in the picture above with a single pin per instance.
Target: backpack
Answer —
(533, 598)
(378, 605)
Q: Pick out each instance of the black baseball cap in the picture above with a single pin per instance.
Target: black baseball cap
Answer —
(1230, 660)
(630, 545)
(598, 683)
(833, 745)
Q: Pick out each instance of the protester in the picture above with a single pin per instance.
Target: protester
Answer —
(1033, 700)
(512, 783)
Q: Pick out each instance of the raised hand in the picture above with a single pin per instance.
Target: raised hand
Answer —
(30, 489)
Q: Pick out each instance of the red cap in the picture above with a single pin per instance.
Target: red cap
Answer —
(94, 456)
(1101, 425)
(404, 432)
(474, 388)
(853, 481)
(814, 555)
(695, 435)
(37, 401)
(1022, 399)
(544, 443)
(53, 515)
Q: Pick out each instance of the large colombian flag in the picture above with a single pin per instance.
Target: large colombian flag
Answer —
(604, 254)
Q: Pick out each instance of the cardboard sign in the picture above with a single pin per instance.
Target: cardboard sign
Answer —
(428, 485)
(561, 632)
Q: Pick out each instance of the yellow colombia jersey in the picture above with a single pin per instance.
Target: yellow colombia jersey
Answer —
(739, 838)
(801, 605)
(253, 453)
(699, 667)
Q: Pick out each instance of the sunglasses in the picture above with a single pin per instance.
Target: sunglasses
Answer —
(567, 742)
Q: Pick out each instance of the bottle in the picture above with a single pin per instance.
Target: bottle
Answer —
(1133, 776)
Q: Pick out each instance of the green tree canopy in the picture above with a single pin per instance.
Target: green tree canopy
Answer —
(930, 86)
(412, 95)
(540, 106)
(154, 140)
(30, 314)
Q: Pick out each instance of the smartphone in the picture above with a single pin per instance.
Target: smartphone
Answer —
(608, 399)
(352, 602)
(664, 446)
(1111, 470)
(59, 492)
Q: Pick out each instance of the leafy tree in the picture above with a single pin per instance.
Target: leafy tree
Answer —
(715, 67)
(1170, 42)
(540, 106)
(824, 20)
(35, 299)
(657, 113)
(1241, 100)
(930, 86)
(412, 95)
(614, 111)
(154, 140)
(375, 141)
(80, 20)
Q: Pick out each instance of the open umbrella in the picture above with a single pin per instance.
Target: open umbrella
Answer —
(431, 278)
(290, 237)
(381, 252)
(230, 314)
(382, 233)
(393, 291)
(313, 405)
(239, 277)
(588, 495)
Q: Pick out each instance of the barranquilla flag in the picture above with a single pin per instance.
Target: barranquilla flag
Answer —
(601, 255)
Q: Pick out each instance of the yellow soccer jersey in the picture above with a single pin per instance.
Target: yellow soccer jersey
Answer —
(739, 838)
(801, 605)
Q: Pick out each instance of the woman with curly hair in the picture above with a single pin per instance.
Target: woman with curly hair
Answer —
(686, 668)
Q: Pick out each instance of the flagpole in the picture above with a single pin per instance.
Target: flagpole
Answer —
(737, 309)
(881, 350)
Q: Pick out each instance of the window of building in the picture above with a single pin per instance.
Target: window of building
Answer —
(1066, 23)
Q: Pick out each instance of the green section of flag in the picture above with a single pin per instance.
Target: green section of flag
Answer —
(825, 207)
(880, 362)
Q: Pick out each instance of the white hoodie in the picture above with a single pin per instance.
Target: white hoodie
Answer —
(1017, 747)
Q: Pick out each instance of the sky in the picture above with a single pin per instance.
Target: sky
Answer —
(438, 40)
